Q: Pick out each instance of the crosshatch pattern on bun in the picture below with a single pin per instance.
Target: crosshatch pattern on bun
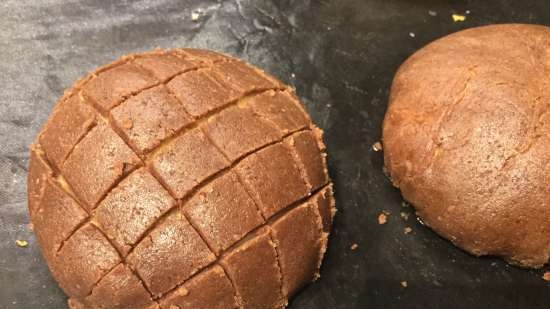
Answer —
(180, 179)
(466, 139)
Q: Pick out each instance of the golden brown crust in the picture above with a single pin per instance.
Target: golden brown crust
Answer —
(466, 139)
(141, 160)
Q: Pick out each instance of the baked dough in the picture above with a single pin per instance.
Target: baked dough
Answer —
(180, 179)
(467, 139)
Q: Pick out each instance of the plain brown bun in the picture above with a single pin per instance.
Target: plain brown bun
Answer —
(467, 139)
(180, 179)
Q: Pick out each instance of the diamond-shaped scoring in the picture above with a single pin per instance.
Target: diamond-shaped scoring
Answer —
(274, 179)
(131, 208)
(70, 121)
(164, 65)
(223, 212)
(59, 214)
(280, 108)
(113, 85)
(202, 91)
(254, 270)
(227, 131)
(170, 254)
(324, 200)
(39, 172)
(243, 77)
(120, 289)
(209, 289)
(187, 161)
(96, 163)
(269, 113)
(205, 56)
(83, 260)
(309, 155)
(149, 117)
(298, 238)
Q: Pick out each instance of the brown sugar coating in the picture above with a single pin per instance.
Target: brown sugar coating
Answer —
(180, 179)
(466, 139)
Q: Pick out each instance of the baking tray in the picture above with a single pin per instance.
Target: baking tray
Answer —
(340, 55)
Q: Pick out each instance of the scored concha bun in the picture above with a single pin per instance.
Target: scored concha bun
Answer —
(180, 179)
(467, 139)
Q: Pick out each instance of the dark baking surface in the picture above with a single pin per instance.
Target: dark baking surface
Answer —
(340, 55)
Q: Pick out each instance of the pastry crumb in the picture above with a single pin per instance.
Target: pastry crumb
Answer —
(183, 292)
(404, 204)
(354, 246)
(127, 124)
(404, 284)
(22, 243)
(407, 230)
(412, 34)
(458, 18)
(195, 16)
(546, 276)
(405, 215)
(382, 218)
(377, 146)
(432, 13)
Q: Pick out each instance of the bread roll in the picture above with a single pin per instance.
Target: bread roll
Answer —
(467, 140)
(180, 179)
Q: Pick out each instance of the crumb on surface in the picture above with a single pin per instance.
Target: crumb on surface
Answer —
(407, 230)
(405, 215)
(183, 292)
(546, 276)
(404, 204)
(354, 246)
(432, 13)
(404, 284)
(21, 243)
(412, 34)
(382, 218)
(377, 146)
(195, 16)
(458, 18)
(127, 124)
